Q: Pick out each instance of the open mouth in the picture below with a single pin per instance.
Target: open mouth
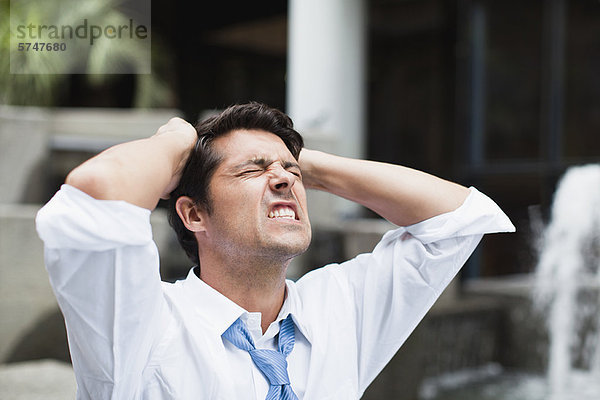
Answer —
(283, 212)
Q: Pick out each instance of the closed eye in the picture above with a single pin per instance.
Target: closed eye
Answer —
(251, 171)
(296, 173)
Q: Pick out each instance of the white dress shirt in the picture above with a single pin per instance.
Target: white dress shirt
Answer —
(133, 337)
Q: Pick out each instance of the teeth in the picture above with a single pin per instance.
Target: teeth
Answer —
(283, 212)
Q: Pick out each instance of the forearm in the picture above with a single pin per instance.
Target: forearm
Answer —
(403, 196)
(139, 172)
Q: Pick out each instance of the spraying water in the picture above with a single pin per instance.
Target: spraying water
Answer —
(567, 282)
(567, 290)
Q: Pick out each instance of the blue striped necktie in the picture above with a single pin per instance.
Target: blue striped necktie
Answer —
(271, 363)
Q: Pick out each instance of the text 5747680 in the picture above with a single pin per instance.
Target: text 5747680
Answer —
(41, 46)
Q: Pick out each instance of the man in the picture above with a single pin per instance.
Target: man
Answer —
(235, 328)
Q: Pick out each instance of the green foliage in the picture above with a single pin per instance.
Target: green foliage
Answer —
(29, 87)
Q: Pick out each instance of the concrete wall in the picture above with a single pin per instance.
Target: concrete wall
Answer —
(451, 337)
(24, 136)
(32, 326)
(34, 144)
(26, 296)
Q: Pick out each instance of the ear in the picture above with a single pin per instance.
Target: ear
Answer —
(192, 216)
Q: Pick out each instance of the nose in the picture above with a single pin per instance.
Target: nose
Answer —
(281, 179)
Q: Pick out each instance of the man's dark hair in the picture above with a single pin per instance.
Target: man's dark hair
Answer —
(204, 159)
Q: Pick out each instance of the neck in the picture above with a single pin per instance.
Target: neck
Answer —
(257, 285)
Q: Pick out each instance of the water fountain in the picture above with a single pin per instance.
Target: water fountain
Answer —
(566, 290)
(567, 281)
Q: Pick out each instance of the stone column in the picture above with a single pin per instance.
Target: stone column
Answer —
(326, 71)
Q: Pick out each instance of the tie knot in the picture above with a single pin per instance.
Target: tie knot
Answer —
(273, 364)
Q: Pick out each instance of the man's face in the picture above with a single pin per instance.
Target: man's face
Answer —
(258, 201)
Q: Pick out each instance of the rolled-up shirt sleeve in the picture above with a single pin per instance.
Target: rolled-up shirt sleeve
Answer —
(393, 287)
(103, 268)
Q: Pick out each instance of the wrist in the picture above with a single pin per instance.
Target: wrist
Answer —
(311, 164)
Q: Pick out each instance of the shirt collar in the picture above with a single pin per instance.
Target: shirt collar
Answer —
(292, 305)
(213, 307)
(220, 312)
